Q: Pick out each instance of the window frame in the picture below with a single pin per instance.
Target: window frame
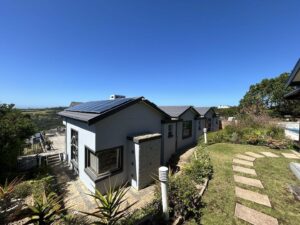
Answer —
(170, 133)
(96, 176)
(190, 130)
(74, 159)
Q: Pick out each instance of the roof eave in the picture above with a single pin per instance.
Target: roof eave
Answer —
(293, 75)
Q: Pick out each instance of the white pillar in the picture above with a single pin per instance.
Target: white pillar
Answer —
(163, 177)
(205, 135)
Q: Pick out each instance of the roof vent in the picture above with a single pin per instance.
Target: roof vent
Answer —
(112, 97)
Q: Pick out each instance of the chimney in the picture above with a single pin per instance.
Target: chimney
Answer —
(112, 97)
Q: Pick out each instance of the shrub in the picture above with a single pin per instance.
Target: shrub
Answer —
(23, 190)
(200, 166)
(184, 198)
(108, 210)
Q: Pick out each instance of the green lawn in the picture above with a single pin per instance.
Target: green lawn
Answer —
(274, 173)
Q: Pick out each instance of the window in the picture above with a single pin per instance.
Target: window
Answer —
(186, 129)
(209, 124)
(199, 125)
(74, 145)
(170, 130)
(104, 162)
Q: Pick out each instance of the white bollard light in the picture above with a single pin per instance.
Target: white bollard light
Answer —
(205, 135)
(163, 178)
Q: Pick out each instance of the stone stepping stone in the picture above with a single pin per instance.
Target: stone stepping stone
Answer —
(248, 158)
(252, 196)
(244, 170)
(269, 154)
(290, 156)
(295, 152)
(242, 162)
(248, 181)
(255, 155)
(253, 217)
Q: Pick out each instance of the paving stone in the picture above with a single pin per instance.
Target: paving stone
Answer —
(248, 181)
(296, 153)
(242, 162)
(290, 156)
(244, 170)
(269, 154)
(255, 155)
(252, 196)
(245, 157)
(254, 217)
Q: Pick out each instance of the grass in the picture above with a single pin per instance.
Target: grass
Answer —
(274, 173)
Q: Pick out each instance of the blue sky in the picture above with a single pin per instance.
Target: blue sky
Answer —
(198, 52)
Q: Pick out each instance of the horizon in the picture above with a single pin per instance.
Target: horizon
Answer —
(201, 53)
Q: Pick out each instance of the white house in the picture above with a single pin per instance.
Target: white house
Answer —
(126, 139)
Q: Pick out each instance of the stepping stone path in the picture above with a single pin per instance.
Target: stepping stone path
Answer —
(255, 155)
(269, 154)
(290, 156)
(248, 181)
(254, 217)
(244, 170)
(252, 196)
(242, 212)
(242, 162)
(248, 158)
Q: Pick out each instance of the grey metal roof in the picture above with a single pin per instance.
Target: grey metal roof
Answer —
(175, 111)
(202, 110)
(293, 95)
(293, 75)
(74, 103)
(91, 112)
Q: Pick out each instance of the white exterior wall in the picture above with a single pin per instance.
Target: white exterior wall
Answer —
(113, 131)
(86, 137)
(169, 143)
(184, 143)
(202, 126)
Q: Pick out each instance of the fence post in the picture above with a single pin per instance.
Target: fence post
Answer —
(163, 178)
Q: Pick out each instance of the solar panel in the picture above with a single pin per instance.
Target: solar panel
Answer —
(99, 106)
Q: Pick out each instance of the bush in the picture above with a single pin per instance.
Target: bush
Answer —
(248, 131)
(184, 198)
(23, 190)
(200, 166)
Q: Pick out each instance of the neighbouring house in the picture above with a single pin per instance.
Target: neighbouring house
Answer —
(210, 118)
(126, 139)
(294, 81)
(181, 131)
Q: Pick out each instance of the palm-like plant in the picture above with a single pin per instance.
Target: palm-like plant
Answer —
(6, 191)
(108, 210)
(46, 210)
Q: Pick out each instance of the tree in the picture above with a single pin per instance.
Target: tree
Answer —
(15, 127)
(268, 96)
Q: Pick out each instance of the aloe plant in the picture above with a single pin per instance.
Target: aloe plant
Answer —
(46, 210)
(6, 191)
(108, 210)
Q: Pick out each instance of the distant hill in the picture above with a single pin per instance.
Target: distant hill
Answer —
(45, 118)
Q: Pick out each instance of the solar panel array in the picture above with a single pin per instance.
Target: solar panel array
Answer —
(99, 106)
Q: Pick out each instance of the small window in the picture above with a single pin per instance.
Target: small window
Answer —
(209, 124)
(186, 129)
(170, 130)
(104, 162)
(74, 145)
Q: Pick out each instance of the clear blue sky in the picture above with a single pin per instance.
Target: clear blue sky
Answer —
(199, 52)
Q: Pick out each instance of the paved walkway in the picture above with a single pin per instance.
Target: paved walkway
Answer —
(246, 160)
(75, 192)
